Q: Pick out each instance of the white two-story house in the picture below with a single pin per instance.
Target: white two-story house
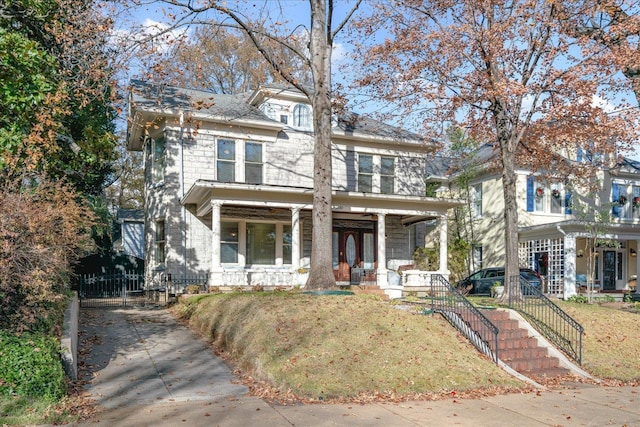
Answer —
(229, 182)
(571, 236)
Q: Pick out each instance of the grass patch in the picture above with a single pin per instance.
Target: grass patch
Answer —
(611, 340)
(22, 411)
(336, 347)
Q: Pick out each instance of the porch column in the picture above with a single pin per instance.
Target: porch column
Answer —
(382, 251)
(569, 265)
(295, 238)
(215, 276)
(443, 265)
(637, 258)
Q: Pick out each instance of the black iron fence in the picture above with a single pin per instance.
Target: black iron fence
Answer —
(464, 316)
(547, 318)
(112, 289)
(184, 284)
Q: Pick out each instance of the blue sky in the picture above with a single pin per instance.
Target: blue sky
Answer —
(289, 13)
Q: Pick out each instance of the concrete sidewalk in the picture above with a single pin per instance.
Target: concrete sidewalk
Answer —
(146, 369)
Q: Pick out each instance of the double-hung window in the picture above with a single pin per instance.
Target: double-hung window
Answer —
(551, 198)
(159, 241)
(226, 160)
(387, 175)
(158, 160)
(229, 242)
(253, 163)
(365, 173)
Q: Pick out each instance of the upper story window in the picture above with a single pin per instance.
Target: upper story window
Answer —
(547, 198)
(387, 175)
(253, 163)
(365, 173)
(158, 160)
(625, 201)
(302, 116)
(226, 160)
(476, 205)
(239, 161)
(376, 174)
(159, 242)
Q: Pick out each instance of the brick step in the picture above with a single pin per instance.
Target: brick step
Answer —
(533, 364)
(522, 353)
(546, 373)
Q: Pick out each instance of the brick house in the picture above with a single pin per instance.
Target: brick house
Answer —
(228, 189)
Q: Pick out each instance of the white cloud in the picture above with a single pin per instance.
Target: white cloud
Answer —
(605, 105)
(154, 33)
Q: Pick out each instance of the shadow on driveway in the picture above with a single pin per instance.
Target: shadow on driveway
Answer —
(142, 355)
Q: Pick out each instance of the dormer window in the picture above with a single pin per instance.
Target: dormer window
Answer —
(302, 116)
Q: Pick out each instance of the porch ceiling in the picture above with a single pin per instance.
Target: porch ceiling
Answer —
(203, 192)
(621, 230)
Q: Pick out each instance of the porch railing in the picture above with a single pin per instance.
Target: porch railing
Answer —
(177, 284)
(547, 318)
(464, 316)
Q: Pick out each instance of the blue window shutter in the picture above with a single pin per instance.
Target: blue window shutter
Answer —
(615, 196)
(579, 155)
(567, 202)
(530, 202)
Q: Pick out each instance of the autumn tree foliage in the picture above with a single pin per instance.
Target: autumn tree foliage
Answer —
(513, 74)
(283, 44)
(43, 228)
(56, 115)
(56, 146)
(222, 60)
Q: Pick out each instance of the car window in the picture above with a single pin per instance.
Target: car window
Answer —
(477, 275)
(495, 273)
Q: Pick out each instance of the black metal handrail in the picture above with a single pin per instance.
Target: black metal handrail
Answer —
(547, 318)
(464, 316)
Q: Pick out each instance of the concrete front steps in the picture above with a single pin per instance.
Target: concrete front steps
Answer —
(520, 351)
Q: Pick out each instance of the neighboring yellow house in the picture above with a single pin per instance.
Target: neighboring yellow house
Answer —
(556, 231)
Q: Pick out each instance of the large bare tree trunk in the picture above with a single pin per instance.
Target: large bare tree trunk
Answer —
(512, 268)
(321, 274)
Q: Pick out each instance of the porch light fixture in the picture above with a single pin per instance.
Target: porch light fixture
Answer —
(580, 253)
(633, 253)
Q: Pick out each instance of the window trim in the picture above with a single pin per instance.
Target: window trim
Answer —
(160, 241)
(301, 116)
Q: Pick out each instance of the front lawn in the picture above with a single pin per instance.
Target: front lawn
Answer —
(341, 347)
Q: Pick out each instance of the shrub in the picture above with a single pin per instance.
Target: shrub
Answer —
(43, 227)
(30, 366)
(580, 299)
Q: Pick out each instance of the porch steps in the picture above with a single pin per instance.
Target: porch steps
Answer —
(369, 290)
(520, 351)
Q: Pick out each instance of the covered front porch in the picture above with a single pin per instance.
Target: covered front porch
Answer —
(573, 259)
(261, 235)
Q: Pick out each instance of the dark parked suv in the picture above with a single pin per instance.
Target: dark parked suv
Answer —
(482, 280)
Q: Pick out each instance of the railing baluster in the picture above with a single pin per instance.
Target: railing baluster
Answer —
(547, 318)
